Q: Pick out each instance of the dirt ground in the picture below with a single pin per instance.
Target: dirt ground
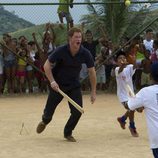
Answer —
(98, 134)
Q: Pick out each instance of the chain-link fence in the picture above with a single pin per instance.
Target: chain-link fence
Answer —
(36, 14)
(17, 15)
(39, 13)
(112, 20)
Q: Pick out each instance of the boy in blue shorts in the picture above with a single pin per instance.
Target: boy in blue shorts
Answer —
(124, 73)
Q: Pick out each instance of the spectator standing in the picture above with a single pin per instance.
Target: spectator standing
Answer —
(29, 69)
(145, 66)
(101, 77)
(90, 43)
(21, 70)
(9, 62)
(148, 41)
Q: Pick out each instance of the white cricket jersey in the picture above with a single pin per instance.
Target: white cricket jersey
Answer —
(148, 98)
(122, 79)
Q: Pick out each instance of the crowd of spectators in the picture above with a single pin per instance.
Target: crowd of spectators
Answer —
(142, 51)
(21, 61)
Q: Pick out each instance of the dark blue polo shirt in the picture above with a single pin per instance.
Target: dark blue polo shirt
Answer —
(67, 67)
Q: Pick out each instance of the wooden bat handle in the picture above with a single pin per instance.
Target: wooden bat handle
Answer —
(71, 101)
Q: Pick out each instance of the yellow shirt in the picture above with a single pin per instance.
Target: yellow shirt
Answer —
(22, 62)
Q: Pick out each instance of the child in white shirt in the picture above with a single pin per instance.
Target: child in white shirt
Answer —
(148, 98)
(124, 73)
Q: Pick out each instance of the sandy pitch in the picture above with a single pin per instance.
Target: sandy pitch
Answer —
(98, 134)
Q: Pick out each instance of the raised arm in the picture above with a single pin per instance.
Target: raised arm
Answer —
(53, 33)
(82, 29)
(35, 40)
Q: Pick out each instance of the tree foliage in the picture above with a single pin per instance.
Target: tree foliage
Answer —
(117, 20)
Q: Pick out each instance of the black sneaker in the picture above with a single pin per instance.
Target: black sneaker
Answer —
(70, 138)
(40, 128)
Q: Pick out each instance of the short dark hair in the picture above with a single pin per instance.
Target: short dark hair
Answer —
(88, 32)
(31, 43)
(73, 30)
(120, 53)
(149, 30)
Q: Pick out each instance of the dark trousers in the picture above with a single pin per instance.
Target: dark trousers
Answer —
(155, 152)
(54, 99)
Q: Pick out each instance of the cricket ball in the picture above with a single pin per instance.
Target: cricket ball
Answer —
(127, 2)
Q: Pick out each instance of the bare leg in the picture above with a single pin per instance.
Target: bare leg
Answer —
(61, 20)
